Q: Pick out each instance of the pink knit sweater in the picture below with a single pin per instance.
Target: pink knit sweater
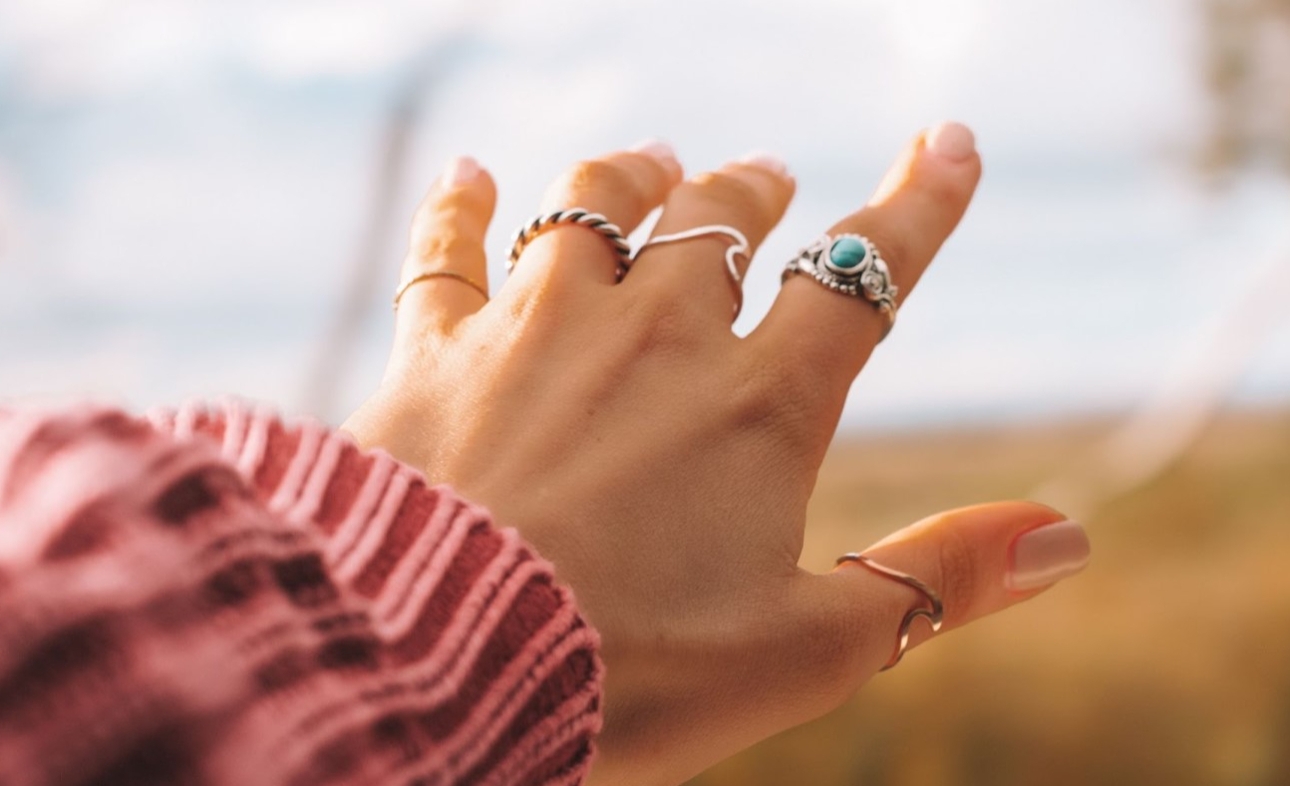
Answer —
(217, 597)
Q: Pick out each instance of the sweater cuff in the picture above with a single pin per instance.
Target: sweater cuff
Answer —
(411, 636)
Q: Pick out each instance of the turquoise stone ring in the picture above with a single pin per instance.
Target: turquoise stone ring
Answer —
(849, 265)
(847, 253)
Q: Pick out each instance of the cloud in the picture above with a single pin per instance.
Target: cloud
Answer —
(69, 49)
(11, 222)
(204, 173)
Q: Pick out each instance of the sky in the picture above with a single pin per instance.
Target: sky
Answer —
(184, 183)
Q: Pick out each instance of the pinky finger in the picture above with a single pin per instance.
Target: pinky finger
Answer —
(445, 274)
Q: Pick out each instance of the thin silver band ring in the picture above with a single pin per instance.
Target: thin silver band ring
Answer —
(740, 247)
(935, 616)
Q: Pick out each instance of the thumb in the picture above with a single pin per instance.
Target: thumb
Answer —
(978, 560)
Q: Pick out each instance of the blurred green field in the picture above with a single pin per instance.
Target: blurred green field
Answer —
(1166, 662)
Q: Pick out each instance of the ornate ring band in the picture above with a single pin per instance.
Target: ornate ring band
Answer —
(576, 216)
(935, 616)
(739, 247)
(849, 264)
(417, 279)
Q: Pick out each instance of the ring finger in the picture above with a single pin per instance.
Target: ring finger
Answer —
(748, 196)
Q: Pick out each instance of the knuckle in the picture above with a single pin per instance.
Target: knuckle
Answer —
(958, 575)
(896, 249)
(733, 192)
(597, 176)
(757, 400)
(837, 658)
(946, 195)
(830, 661)
(443, 245)
(774, 398)
(539, 311)
(666, 324)
(454, 208)
(591, 173)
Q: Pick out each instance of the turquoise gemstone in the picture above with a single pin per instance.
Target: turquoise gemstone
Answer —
(847, 253)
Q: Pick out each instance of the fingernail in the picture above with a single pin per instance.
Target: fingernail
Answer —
(1047, 555)
(767, 161)
(460, 171)
(658, 150)
(952, 141)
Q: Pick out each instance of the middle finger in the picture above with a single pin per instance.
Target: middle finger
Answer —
(749, 196)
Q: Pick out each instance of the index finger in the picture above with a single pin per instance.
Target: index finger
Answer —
(830, 335)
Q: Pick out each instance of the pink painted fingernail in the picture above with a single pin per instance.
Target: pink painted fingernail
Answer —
(1046, 555)
(460, 171)
(952, 141)
(658, 150)
(767, 161)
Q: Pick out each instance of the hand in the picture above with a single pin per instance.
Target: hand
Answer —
(664, 464)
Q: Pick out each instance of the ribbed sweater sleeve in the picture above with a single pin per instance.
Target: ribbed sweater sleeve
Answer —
(216, 596)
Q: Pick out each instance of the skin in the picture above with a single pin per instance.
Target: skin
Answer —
(664, 464)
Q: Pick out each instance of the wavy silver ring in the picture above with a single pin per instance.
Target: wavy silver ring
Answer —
(852, 265)
(935, 616)
(740, 247)
(576, 216)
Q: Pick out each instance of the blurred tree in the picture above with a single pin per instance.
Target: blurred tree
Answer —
(369, 270)
(1248, 77)
(1247, 70)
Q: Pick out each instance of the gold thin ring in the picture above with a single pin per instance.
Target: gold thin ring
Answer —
(417, 279)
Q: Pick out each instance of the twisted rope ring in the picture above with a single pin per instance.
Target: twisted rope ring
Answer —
(576, 216)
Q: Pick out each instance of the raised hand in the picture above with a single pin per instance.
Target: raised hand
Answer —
(664, 464)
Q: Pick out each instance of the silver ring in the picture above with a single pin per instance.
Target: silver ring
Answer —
(740, 247)
(852, 265)
(577, 216)
(935, 616)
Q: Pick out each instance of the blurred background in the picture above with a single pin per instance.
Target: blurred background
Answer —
(200, 198)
